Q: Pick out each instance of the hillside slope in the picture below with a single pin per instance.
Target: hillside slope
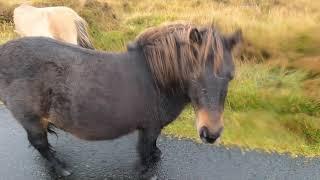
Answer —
(274, 101)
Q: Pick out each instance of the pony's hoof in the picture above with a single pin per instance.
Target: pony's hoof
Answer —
(153, 178)
(156, 156)
(63, 172)
(141, 168)
(148, 176)
(146, 173)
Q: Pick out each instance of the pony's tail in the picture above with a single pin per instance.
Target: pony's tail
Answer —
(82, 34)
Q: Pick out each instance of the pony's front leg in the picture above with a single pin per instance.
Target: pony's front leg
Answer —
(149, 152)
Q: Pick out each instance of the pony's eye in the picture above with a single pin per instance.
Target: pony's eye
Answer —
(231, 76)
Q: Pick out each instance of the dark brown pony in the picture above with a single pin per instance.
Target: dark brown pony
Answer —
(44, 82)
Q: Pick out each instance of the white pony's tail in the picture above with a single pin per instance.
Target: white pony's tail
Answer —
(82, 34)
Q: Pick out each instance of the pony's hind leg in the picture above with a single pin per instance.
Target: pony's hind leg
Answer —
(28, 104)
(37, 136)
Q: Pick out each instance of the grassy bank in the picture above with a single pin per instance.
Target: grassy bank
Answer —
(266, 109)
(274, 101)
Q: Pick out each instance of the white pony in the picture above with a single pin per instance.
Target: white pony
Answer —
(60, 23)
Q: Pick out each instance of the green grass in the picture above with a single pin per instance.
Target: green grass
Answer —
(6, 32)
(266, 109)
(112, 40)
(274, 102)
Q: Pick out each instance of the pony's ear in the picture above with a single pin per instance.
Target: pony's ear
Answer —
(234, 39)
(195, 36)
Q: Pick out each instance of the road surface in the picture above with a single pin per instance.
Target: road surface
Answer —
(181, 159)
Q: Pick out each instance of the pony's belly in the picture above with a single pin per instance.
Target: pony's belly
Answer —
(95, 131)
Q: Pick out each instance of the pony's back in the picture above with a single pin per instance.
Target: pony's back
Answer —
(60, 23)
(29, 21)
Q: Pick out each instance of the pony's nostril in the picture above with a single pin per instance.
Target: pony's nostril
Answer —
(207, 137)
(204, 133)
(215, 136)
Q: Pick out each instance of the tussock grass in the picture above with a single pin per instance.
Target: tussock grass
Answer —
(6, 32)
(274, 101)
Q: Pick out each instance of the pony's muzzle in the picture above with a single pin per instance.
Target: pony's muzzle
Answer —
(209, 125)
(209, 137)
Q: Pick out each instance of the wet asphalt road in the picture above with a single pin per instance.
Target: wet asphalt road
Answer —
(116, 159)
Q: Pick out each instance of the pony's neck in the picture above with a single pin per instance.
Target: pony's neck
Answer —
(172, 105)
